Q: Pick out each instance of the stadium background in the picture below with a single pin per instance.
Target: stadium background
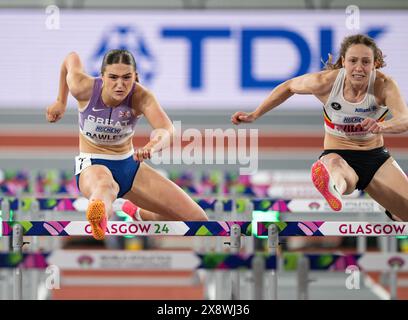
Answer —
(200, 79)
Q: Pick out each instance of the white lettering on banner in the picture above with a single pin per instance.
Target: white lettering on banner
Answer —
(159, 261)
(131, 260)
(212, 60)
(349, 205)
(358, 205)
(153, 262)
(383, 261)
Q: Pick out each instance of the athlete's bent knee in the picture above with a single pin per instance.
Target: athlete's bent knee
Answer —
(108, 185)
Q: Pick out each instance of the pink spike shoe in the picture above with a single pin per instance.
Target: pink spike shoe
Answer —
(325, 185)
(127, 207)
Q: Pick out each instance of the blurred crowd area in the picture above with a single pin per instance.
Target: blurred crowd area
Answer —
(285, 184)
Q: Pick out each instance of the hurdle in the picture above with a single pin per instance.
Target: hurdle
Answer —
(210, 228)
(153, 260)
(18, 229)
(234, 229)
(86, 260)
(310, 205)
(301, 263)
(338, 228)
(212, 204)
(225, 205)
(217, 204)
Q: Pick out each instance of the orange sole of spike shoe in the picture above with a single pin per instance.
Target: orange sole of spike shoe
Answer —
(95, 215)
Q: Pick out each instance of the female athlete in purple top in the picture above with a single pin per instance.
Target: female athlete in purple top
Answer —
(107, 167)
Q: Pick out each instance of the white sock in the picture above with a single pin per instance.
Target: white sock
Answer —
(118, 204)
(137, 215)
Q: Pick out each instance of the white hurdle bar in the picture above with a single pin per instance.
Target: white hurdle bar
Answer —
(234, 229)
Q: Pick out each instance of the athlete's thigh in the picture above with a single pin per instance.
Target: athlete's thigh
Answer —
(92, 175)
(153, 192)
(389, 187)
(336, 162)
(337, 166)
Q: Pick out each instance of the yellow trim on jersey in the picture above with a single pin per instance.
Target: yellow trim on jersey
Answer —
(382, 117)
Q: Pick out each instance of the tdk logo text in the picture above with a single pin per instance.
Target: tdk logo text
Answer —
(125, 37)
(196, 38)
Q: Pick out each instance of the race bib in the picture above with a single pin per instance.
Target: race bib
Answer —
(106, 134)
(81, 162)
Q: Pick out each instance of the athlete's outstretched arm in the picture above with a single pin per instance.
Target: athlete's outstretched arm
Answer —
(72, 79)
(162, 134)
(310, 83)
(394, 101)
